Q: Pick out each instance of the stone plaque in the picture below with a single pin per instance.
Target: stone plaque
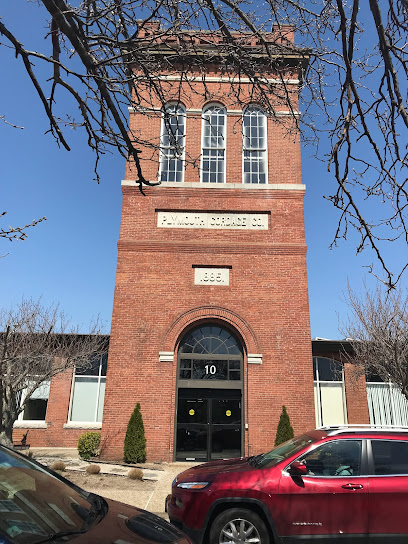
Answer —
(211, 276)
(208, 220)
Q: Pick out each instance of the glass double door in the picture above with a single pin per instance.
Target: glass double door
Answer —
(208, 424)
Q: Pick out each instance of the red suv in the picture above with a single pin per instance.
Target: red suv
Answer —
(343, 484)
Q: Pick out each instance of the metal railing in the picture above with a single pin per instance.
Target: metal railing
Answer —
(363, 427)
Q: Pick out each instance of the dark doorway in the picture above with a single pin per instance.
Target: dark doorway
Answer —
(208, 424)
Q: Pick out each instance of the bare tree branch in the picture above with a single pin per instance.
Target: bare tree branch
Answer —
(378, 332)
(37, 343)
(18, 233)
(351, 59)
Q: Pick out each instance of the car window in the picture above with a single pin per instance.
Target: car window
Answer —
(34, 504)
(336, 458)
(284, 450)
(390, 457)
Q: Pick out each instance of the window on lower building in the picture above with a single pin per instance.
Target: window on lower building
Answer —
(213, 144)
(330, 406)
(386, 404)
(172, 143)
(88, 392)
(35, 408)
(254, 145)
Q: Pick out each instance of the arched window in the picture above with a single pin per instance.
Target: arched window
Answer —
(210, 352)
(172, 142)
(213, 144)
(329, 392)
(254, 145)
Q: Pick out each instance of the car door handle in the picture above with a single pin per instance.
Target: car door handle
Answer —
(352, 486)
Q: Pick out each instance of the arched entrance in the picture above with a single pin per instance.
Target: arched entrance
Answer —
(209, 395)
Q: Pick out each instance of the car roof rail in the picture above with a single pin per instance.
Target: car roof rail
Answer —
(363, 427)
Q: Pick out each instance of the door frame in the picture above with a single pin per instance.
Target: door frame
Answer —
(210, 394)
(211, 384)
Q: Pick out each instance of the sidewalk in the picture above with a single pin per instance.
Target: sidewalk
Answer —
(160, 476)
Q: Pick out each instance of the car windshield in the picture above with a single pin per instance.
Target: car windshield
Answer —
(35, 506)
(281, 452)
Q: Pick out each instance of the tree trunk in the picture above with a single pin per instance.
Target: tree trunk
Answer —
(5, 439)
(9, 414)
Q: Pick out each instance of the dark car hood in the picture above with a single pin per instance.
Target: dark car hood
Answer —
(236, 464)
(128, 524)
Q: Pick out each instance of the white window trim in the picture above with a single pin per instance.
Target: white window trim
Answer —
(317, 382)
(82, 425)
(251, 184)
(206, 107)
(390, 387)
(85, 424)
(32, 423)
(183, 155)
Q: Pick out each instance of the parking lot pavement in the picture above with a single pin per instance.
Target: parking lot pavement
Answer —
(160, 475)
(163, 486)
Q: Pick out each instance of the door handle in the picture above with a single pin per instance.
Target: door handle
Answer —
(352, 486)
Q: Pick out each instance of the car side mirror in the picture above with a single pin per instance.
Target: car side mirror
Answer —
(297, 469)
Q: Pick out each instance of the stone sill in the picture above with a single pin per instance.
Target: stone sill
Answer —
(81, 425)
(246, 186)
(30, 424)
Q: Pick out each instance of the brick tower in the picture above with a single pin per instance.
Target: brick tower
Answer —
(210, 328)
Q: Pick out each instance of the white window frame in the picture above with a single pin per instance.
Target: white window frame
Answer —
(263, 151)
(179, 150)
(394, 413)
(204, 125)
(317, 383)
(21, 422)
(98, 378)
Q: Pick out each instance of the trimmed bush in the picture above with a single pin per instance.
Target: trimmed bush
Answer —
(135, 474)
(93, 469)
(58, 465)
(88, 445)
(285, 430)
(134, 450)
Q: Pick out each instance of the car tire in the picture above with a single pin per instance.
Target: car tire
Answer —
(238, 526)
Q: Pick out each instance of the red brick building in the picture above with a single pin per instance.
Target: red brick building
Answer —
(58, 413)
(210, 326)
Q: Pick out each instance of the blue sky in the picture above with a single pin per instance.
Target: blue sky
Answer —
(71, 257)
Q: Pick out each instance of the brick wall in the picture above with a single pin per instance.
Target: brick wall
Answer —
(54, 435)
(265, 303)
(155, 286)
(156, 300)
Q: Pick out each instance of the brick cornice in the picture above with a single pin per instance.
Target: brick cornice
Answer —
(210, 313)
(192, 247)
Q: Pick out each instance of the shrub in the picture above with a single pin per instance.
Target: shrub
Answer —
(88, 445)
(134, 450)
(135, 474)
(58, 465)
(93, 469)
(285, 430)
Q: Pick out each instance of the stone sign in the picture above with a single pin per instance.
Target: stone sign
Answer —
(211, 276)
(208, 220)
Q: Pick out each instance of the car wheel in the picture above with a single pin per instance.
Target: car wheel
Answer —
(238, 526)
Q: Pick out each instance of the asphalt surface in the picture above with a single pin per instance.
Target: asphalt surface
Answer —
(149, 497)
